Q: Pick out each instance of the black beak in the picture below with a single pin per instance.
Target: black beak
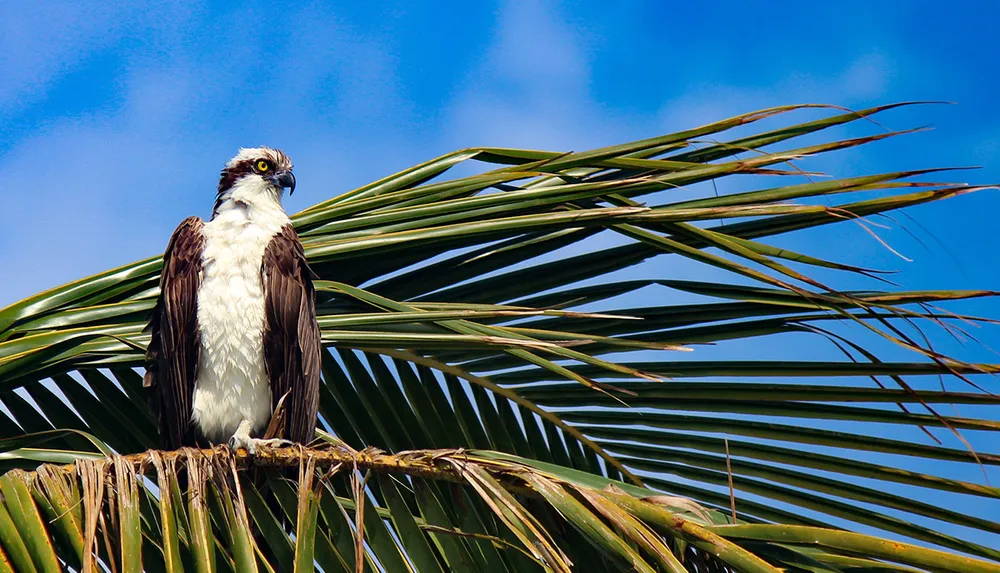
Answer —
(285, 180)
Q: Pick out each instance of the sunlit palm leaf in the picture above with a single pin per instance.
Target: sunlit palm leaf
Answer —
(504, 515)
(453, 328)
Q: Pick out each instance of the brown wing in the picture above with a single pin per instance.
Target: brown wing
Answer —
(172, 356)
(292, 345)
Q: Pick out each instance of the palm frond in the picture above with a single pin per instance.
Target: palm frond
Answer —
(511, 509)
(493, 326)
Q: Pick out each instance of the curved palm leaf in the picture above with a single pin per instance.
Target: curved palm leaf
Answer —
(486, 313)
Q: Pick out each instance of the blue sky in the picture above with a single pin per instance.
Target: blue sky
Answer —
(114, 122)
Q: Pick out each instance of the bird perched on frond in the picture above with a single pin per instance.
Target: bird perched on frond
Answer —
(234, 332)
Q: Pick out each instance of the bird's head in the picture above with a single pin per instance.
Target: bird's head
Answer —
(258, 170)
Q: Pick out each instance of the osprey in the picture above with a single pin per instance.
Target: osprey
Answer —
(234, 332)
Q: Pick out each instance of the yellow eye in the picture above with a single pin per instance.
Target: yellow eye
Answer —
(263, 166)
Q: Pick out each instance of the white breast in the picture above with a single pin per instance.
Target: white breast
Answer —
(232, 383)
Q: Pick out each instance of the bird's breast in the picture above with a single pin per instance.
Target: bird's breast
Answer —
(232, 383)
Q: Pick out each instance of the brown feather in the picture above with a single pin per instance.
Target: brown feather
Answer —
(173, 353)
(292, 343)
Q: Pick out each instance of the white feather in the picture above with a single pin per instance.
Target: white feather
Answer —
(232, 383)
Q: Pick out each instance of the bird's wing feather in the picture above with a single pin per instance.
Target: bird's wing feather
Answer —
(172, 356)
(292, 344)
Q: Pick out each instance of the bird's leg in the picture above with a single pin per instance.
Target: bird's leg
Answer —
(241, 439)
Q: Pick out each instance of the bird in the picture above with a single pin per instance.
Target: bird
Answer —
(234, 336)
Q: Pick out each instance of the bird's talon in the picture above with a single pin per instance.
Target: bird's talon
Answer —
(274, 443)
(242, 439)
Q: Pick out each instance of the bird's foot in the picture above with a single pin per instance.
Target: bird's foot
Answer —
(241, 439)
(273, 443)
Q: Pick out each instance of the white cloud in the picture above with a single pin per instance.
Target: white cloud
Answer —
(532, 89)
(538, 50)
(867, 77)
(861, 82)
(39, 42)
(84, 198)
(92, 192)
(326, 91)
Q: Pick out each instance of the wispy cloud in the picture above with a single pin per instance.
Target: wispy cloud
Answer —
(862, 81)
(105, 182)
(532, 89)
(91, 191)
(37, 45)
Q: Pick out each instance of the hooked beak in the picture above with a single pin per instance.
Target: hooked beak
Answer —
(285, 180)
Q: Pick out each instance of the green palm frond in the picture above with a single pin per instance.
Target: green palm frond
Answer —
(467, 510)
(537, 411)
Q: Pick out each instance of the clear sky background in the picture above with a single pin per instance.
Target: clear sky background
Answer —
(114, 122)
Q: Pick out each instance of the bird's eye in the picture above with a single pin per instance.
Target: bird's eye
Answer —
(263, 166)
